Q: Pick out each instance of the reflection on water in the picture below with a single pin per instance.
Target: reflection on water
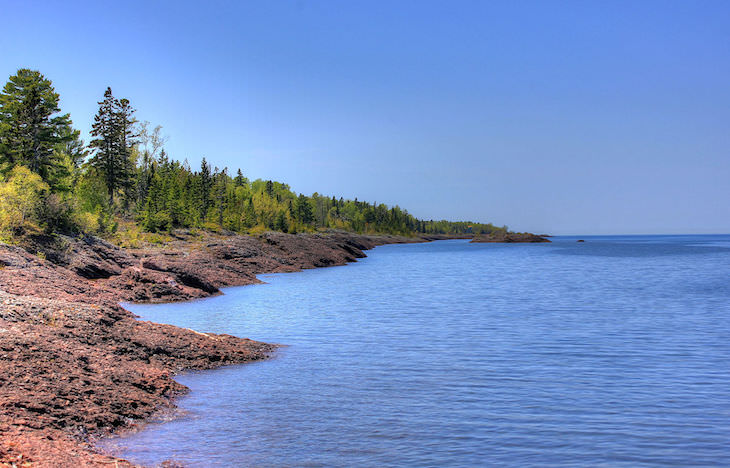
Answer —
(615, 351)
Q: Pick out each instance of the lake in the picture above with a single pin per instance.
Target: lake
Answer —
(612, 352)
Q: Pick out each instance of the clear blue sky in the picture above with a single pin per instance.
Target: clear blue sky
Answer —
(577, 117)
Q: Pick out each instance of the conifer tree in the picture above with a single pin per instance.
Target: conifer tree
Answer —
(205, 184)
(281, 223)
(73, 147)
(304, 209)
(29, 132)
(240, 181)
(114, 137)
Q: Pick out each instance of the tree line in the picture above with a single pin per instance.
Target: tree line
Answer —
(50, 180)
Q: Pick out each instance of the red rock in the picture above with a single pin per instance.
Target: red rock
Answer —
(74, 365)
(509, 237)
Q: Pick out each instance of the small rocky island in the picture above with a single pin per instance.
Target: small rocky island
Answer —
(509, 237)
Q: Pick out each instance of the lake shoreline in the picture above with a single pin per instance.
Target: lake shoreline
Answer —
(77, 366)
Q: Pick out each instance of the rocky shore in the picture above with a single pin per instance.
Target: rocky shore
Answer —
(74, 365)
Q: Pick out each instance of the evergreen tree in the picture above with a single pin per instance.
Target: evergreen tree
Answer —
(281, 223)
(249, 217)
(219, 191)
(304, 210)
(72, 147)
(112, 144)
(29, 132)
(205, 184)
(240, 181)
(127, 147)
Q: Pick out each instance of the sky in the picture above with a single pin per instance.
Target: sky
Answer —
(560, 117)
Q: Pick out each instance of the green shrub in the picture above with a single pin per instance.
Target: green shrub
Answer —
(22, 201)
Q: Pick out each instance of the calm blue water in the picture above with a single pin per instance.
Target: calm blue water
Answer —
(615, 352)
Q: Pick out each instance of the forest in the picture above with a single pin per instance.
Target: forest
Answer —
(52, 181)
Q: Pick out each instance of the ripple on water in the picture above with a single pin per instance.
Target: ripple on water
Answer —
(612, 352)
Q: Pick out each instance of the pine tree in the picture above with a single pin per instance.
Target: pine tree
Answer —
(219, 194)
(128, 139)
(239, 180)
(72, 147)
(205, 184)
(114, 137)
(29, 133)
(304, 209)
(249, 217)
(281, 223)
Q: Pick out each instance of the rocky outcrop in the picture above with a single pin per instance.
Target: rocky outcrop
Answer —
(92, 270)
(73, 364)
(510, 237)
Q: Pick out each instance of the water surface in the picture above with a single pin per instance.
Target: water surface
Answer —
(612, 352)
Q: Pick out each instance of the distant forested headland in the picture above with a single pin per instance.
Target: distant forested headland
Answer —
(51, 181)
